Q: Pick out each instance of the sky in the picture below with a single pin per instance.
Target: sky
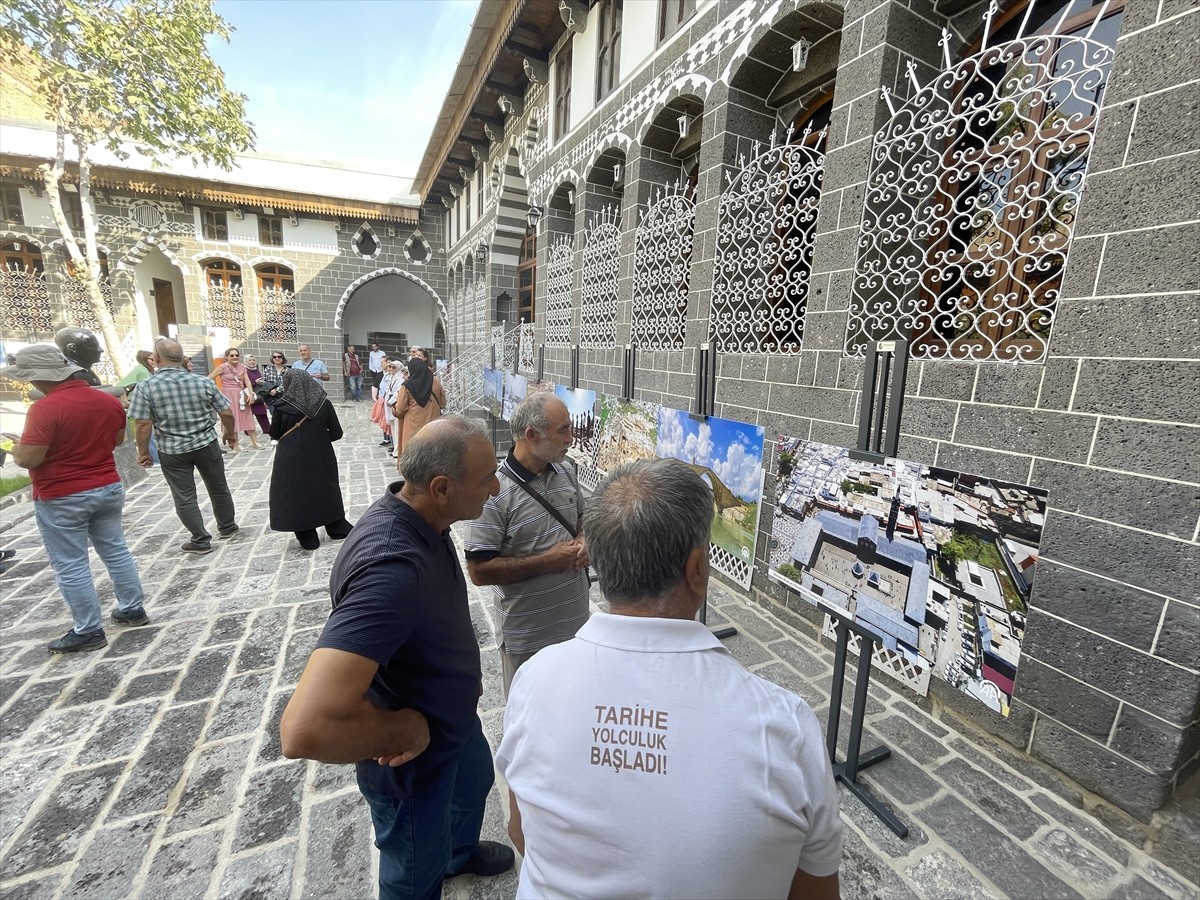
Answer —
(355, 82)
(732, 449)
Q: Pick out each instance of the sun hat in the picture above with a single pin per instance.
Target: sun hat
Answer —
(40, 362)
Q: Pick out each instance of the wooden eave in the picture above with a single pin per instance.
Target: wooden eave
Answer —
(201, 191)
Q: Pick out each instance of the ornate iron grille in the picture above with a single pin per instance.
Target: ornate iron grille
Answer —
(601, 273)
(276, 314)
(26, 305)
(765, 223)
(79, 311)
(560, 263)
(971, 202)
(224, 308)
(662, 265)
(479, 310)
(498, 346)
(526, 349)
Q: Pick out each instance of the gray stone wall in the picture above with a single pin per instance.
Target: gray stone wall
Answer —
(1107, 689)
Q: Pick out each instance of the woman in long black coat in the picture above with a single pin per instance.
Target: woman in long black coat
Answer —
(305, 493)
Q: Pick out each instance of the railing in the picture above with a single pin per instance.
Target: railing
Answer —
(463, 382)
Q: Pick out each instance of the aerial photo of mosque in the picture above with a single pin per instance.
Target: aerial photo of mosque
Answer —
(937, 563)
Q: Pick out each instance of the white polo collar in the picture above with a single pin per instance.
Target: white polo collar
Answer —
(643, 634)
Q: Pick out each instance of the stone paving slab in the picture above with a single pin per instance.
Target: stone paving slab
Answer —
(152, 768)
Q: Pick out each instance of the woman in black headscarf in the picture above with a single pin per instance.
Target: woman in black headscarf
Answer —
(420, 401)
(305, 493)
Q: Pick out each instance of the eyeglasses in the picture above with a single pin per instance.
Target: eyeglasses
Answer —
(276, 356)
(233, 355)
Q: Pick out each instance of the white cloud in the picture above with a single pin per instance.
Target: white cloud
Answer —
(699, 447)
(741, 471)
(671, 434)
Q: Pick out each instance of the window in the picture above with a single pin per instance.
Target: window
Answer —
(672, 14)
(562, 92)
(608, 52)
(479, 187)
(24, 300)
(270, 231)
(10, 204)
(222, 273)
(279, 278)
(73, 210)
(223, 306)
(214, 225)
(527, 277)
(276, 303)
(467, 203)
(22, 257)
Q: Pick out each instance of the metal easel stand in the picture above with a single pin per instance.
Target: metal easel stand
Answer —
(847, 772)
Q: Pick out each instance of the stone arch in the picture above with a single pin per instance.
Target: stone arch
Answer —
(686, 86)
(204, 255)
(256, 261)
(27, 238)
(379, 273)
(775, 14)
(613, 141)
(566, 176)
(139, 250)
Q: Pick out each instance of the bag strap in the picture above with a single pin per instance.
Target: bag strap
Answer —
(571, 530)
(294, 427)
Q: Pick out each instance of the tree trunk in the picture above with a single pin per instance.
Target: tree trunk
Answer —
(84, 265)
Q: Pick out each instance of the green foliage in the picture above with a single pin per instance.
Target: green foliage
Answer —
(787, 570)
(12, 483)
(854, 487)
(115, 71)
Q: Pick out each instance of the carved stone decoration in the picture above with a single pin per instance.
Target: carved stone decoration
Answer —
(446, 203)
(601, 272)
(765, 224)
(971, 202)
(560, 265)
(662, 266)
(536, 70)
(510, 106)
(464, 175)
(489, 134)
(476, 155)
(574, 15)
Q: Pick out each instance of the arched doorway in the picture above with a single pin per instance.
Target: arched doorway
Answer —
(393, 309)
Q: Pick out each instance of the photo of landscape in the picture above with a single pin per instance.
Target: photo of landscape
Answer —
(493, 391)
(938, 563)
(628, 431)
(515, 388)
(728, 456)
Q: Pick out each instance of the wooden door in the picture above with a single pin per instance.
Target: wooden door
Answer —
(164, 304)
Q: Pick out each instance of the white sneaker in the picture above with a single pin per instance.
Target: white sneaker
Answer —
(273, 443)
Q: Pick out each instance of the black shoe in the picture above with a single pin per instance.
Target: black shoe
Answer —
(309, 540)
(133, 617)
(338, 531)
(487, 859)
(193, 547)
(6, 555)
(225, 534)
(384, 443)
(71, 642)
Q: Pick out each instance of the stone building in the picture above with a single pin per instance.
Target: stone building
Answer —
(275, 253)
(745, 195)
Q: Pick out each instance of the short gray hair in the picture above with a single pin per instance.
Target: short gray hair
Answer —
(531, 413)
(440, 448)
(644, 520)
(169, 351)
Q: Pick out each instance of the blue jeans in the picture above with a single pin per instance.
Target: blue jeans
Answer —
(66, 525)
(431, 832)
(355, 386)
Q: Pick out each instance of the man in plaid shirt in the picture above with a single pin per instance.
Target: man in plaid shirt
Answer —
(178, 406)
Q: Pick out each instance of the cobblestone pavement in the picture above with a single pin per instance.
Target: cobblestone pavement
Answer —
(152, 768)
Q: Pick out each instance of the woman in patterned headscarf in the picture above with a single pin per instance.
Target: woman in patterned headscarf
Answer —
(305, 491)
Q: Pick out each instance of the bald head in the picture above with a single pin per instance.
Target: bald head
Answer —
(440, 448)
(169, 352)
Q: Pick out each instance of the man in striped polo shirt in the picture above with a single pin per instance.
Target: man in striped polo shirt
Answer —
(535, 560)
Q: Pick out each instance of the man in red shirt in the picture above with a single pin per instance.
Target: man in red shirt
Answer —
(68, 447)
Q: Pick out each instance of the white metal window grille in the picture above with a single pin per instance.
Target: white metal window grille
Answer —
(498, 346)
(277, 314)
(662, 265)
(527, 350)
(765, 223)
(224, 307)
(560, 265)
(971, 202)
(79, 312)
(26, 303)
(601, 273)
(478, 310)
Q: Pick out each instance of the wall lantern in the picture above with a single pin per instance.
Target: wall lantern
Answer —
(533, 217)
(570, 196)
(481, 250)
(800, 54)
(685, 122)
(616, 174)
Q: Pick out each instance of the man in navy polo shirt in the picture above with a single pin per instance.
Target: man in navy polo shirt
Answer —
(394, 682)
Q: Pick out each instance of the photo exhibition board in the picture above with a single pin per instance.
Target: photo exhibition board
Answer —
(728, 455)
(583, 407)
(515, 389)
(939, 564)
(493, 391)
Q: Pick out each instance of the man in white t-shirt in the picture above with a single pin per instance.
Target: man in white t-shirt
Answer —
(375, 366)
(641, 758)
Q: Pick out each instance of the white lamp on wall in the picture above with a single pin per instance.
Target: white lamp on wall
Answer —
(617, 172)
(533, 216)
(685, 122)
(800, 54)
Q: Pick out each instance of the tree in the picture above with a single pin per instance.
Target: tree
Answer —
(122, 75)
